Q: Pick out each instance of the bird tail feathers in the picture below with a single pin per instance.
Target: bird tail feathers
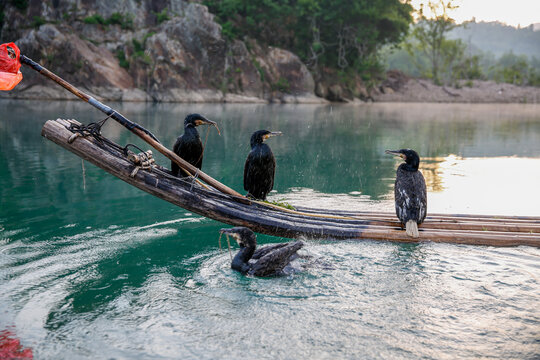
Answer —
(411, 228)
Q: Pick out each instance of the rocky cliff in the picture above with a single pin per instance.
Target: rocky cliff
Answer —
(144, 50)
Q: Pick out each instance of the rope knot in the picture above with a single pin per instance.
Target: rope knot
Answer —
(143, 160)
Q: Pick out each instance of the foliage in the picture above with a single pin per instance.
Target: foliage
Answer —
(138, 51)
(429, 39)
(398, 58)
(282, 85)
(162, 16)
(138, 47)
(470, 68)
(121, 56)
(434, 55)
(470, 64)
(38, 21)
(456, 64)
(147, 35)
(259, 69)
(349, 34)
(325, 33)
(94, 20)
(517, 70)
(280, 203)
(124, 20)
(20, 4)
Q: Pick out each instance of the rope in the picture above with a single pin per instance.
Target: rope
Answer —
(83, 175)
(229, 245)
(195, 179)
(204, 146)
(94, 129)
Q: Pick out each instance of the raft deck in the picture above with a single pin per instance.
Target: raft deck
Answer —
(300, 223)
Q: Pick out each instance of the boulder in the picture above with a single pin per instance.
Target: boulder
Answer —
(92, 68)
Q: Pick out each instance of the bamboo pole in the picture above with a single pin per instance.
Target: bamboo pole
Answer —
(138, 130)
(431, 216)
(262, 219)
(391, 221)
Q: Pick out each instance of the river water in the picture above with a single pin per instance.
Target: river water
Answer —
(92, 268)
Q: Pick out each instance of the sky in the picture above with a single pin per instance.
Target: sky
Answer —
(511, 12)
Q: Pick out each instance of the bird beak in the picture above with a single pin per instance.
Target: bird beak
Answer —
(205, 121)
(232, 232)
(273, 133)
(396, 153)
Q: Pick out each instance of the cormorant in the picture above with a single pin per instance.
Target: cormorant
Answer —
(260, 166)
(189, 146)
(410, 191)
(269, 260)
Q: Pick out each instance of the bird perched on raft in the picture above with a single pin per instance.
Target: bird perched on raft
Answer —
(410, 191)
(260, 166)
(269, 260)
(189, 146)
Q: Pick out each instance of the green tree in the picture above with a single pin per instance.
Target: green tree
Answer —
(429, 39)
(339, 34)
(269, 21)
(513, 69)
(352, 32)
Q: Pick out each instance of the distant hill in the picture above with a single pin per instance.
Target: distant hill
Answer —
(499, 38)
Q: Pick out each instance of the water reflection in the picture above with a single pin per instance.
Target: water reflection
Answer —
(500, 185)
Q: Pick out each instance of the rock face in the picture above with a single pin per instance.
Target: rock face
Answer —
(144, 50)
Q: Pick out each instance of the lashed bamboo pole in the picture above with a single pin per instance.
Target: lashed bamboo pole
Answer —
(392, 221)
(263, 219)
(432, 216)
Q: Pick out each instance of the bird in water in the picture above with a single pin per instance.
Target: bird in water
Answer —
(410, 191)
(269, 260)
(189, 146)
(260, 166)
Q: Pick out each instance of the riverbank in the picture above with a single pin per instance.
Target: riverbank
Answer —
(477, 91)
(412, 90)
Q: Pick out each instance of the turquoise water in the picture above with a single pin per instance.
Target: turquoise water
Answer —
(91, 267)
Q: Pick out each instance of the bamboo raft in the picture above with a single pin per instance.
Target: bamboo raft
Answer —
(302, 222)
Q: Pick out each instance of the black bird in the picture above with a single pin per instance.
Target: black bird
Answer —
(410, 191)
(269, 260)
(260, 166)
(189, 146)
